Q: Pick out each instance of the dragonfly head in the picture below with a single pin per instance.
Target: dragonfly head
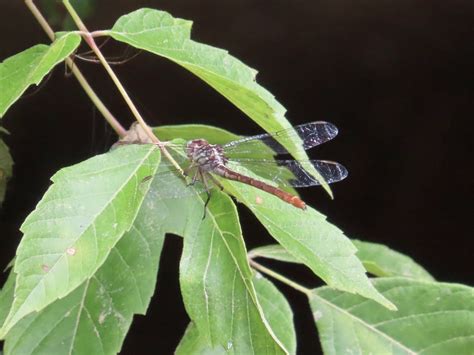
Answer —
(205, 155)
(195, 146)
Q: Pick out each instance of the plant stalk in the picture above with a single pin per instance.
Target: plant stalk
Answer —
(116, 126)
(91, 42)
(279, 277)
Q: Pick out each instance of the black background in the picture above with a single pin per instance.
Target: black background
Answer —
(396, 77)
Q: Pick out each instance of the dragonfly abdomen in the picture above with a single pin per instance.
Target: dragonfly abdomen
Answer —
(283, 195)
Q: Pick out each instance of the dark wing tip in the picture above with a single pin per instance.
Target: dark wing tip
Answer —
(331, 171)
(330, 129)
(344, 172)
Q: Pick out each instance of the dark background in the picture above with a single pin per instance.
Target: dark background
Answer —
(396, 77)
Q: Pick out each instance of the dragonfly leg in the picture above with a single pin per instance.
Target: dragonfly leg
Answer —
(208, 192)
(188, 169)
(195, 177)
(216, 182)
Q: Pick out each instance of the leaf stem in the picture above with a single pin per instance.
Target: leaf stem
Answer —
(91, 42)
(117, 127)
(279, 277)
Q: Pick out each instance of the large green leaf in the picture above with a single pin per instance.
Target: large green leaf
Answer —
(29, 67)
(216, 284)
(6, 167)
(160, 33)
(77, 223)
(276, 310)
(306, 235)
(432, 318)
(216, 280)
(377, 259)
(311, 239)
(96, 316)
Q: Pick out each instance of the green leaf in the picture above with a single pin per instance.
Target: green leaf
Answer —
(6, 168)
(160, 33)
(216, 284)
(276, 310)
(311, 239)
(77, 223)
(380, 260)
(96, 316)
(6, 297)
(306, 235)
(377, 259)
(183, 215)
(432, 318)
(192, 343)
(189, 132)
(29, 67)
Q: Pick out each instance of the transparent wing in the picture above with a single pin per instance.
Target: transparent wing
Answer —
(311, 134)
(292, 172)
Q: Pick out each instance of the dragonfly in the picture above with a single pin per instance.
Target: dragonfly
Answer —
(260, 154)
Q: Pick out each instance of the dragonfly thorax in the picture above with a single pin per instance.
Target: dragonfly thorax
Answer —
(206, 156)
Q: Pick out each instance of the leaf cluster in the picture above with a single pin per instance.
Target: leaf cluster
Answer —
(88, 260)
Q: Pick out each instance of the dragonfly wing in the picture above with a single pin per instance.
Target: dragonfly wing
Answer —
(292, 172)
(311, 135)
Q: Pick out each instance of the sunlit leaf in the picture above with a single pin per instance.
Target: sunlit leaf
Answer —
(432, 318)
(160, 33)
(6, 167)
(306, 235)
(77, 223)
(96, 316)
(29, 67)
(378, 259)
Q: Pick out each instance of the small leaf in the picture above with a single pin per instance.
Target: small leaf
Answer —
(160, 33)
(77, 223)
(96, 316)
(380, 260)
(29, 67)
(377, 259)
(6, 168)
(432, 318)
